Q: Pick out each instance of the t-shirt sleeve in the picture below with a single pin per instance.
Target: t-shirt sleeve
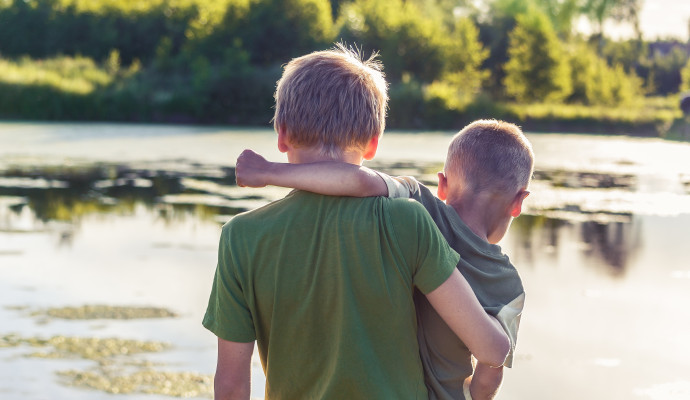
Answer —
(400, 186)
(432, 259)
(227, 314)
(407, 187)
(509, 317)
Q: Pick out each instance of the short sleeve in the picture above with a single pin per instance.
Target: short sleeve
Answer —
(433, 258)
(509, 317)
(227, 314)
(401, 186)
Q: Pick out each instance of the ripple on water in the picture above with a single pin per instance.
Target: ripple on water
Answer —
(678, 390)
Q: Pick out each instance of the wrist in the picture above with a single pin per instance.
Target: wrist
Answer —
(270, 174)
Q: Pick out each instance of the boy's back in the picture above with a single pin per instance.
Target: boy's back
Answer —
(495, 281)
(335, 276)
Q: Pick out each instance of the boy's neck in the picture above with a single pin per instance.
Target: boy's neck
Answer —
(305, 155)
(478, 212)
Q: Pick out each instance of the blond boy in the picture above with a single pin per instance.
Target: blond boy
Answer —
(484, 183)
(324, 284)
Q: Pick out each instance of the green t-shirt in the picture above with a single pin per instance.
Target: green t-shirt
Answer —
(494, 280)
(325, 284)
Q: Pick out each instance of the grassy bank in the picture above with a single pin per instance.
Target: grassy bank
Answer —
(645, 117)
(79, 89)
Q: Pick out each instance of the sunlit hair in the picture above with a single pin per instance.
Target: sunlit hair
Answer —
(333, 100)
(491, 155)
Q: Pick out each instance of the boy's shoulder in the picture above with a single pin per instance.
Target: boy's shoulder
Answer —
(399, 207)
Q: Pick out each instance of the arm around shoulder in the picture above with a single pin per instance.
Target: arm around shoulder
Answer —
(331, 178)
(233, 371)
(456, 303)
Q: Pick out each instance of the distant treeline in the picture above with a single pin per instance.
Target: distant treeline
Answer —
(447, 62)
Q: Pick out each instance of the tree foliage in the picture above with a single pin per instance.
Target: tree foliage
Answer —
(662, 68)
(218, 60)
(596, 83)
(685, 73)
(537, 69)
(462, 76)
(599, 11)
(408, 42)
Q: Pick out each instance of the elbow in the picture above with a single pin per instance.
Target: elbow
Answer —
(496, 353)
(371, 183)
(221, 390)
(224, 389)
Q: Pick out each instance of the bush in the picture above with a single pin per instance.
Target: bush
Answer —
(596, 83)
(59, 88)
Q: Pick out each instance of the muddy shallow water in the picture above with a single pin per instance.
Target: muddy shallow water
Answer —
(108, 237)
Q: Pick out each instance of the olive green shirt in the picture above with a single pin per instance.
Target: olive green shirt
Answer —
(494, 280)
(325, 285)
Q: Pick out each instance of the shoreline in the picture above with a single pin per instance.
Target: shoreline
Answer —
(676, 130)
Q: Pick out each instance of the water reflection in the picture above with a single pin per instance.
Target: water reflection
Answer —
(69, 193)
(586, 179)
(606, 245)
(58, 197)
(614, 243)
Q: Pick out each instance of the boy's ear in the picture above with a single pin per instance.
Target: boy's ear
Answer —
(516, 204)
(442, 186)
(371, 148)
(283, 143)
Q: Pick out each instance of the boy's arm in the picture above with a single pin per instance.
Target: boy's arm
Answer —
(456, 303)
(486, 381)
(327, 177)
(233, 371)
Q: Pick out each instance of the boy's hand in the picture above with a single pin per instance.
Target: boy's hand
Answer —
(250, 169)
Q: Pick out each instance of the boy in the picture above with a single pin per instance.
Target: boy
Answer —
(487, 171)
(321, 282)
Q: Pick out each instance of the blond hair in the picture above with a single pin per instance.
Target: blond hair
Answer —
(491, 155)
(333, 100)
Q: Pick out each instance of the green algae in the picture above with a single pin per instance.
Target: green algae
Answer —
(147, 381)
(97, 349)
(117, 369)
(88, 312)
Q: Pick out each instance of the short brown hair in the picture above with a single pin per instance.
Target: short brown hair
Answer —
(491, 154)
(332, 99)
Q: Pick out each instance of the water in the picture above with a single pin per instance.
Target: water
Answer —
(129, 215)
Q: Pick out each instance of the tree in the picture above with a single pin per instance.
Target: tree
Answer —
(596, 83)
(498, 19)
(628, 11)
(408, 41)
(598, 11)
(537, 69)
(462, 76)
(562, 13)
(685, 74)
(271, 31)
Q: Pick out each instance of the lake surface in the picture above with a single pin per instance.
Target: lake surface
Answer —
(100, 220)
